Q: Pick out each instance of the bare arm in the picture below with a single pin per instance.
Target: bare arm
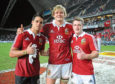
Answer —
(82, 55)
(94, 54)
(15, 52)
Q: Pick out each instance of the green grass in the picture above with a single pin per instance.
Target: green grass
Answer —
(5, 61)
(44, 59)
(107, 48)
(9, 63)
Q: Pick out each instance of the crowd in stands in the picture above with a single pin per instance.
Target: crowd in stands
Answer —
(7, 35)
(97, 7)
(91, 22)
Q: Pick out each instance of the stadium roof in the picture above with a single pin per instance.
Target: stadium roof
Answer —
(16, 12)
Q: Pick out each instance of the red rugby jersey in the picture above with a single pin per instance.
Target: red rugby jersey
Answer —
(87, 43)
(59, 42)
(23, 67)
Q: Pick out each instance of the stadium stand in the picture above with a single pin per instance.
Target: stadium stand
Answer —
(99, 15)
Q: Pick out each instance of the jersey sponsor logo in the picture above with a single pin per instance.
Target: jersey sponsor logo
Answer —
(66, 31)
(59, 39)
(27, 39)
(83, 41)
(76, 49)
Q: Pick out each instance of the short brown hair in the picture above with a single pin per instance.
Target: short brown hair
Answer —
(78, 19)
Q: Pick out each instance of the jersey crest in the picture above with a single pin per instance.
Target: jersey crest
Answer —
(83, 41)
(40, 41)
(66, 31)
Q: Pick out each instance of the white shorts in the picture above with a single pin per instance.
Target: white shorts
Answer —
(82, 79)
(62, 71)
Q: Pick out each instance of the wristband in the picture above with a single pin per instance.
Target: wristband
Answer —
(25, 52)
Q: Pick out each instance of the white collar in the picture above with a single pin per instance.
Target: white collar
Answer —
(63, 25)
(30, 32)
(81, 35)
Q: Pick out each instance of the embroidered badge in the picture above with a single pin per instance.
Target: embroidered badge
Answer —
(83, 41)
(66, 31)
(40, 41)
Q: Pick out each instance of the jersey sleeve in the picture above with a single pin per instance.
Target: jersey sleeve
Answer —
(18, 41)
(92, 43)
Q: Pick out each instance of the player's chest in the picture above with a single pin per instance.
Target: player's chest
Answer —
(79, 43)
(59, 32)
(34, 40)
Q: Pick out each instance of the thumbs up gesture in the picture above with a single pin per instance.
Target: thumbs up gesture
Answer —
(81, 55)
(20, 30)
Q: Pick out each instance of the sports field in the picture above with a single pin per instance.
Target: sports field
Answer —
(7, 76)
(9, 63)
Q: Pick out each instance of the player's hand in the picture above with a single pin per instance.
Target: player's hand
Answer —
(81, 55)
(30, 49)
(20, 30)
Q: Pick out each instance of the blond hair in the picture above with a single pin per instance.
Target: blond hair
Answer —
(78, 19)
(59, 7)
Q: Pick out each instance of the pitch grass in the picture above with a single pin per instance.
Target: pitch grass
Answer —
(107, 48)
(9, 63)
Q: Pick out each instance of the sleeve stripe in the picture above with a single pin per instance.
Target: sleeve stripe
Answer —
(94, 41)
